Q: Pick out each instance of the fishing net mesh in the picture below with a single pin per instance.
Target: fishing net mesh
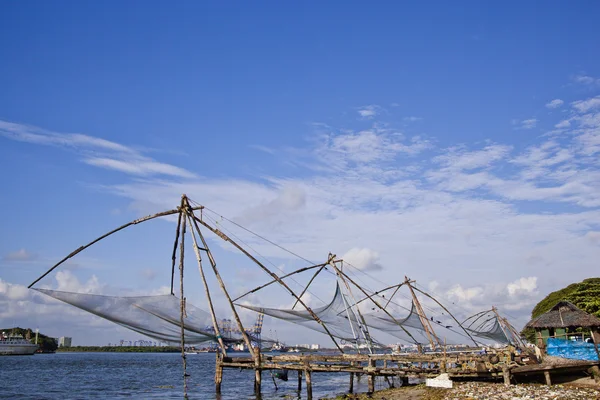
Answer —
(157, 317)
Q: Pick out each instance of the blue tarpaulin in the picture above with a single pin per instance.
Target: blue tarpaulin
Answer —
(576, 350)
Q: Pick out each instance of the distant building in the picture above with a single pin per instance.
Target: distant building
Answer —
(64, 341)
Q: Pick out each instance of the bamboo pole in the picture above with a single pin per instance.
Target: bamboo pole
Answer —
(273, 275)
(218, 372)
(378, 292)
(174, 256)
(364, 331)
(307, 285)
(308, 378)
(182, 309)
(378, 305)
(424, 321)
(449, 313)
(207, 291)
(221, 283)
(274, 280)
(80, 249)
(254, 352)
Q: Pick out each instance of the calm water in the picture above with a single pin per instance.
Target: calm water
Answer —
(143, 376)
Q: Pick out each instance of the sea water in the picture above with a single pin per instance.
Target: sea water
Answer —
(63, 376)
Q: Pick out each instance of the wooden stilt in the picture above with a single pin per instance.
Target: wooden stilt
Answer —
(351, 388)
(182, 308)
(595, 371)
(218, 372)
(547, 376)
(308, 378)
(299, 381)
(506, 375)
(371, 379)
(257, 381)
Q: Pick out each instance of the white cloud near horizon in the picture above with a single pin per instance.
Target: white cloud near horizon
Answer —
(515, 216)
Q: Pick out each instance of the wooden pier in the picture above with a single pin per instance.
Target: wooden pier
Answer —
(464, 366)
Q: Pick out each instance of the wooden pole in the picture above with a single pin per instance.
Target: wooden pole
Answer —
(506, 375)
(273, 275)
(218, 372)
(423, 317)
(449, 313)
(351, 388)
(299, 381)
(182, 309)
(174, 256)
(378, 305)
(371, 378)
(307, 285)
(80, 249)
(254, 352)
(365, 329)
(308, 375)
(547, 376)
(207, 291)
(274, 280)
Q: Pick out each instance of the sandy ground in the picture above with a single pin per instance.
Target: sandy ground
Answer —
(579, 390)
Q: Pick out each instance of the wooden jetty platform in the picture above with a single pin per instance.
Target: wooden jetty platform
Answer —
(402, 367)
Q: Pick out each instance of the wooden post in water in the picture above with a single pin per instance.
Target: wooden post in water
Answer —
(299, 381)
(351, 388)
(308, 378)
(257, 380)
(218, 372)
(371, 379)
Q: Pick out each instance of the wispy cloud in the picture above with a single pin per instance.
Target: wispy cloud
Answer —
(20, 255)
(412, 119)
(396, 204)
(586, 80)
(555, 103)
(95, 151)
(528, 123)
(584, 106)
(369, 112)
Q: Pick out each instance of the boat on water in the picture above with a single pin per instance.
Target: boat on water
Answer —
(16, 345)
(279, 347)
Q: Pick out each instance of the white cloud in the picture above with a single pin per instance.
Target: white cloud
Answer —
(19, 255)
(470, 212)
(563, 124)
(584, 106)
(369, 112)
(529, 123)
(522, 285)
(586, 80)
(363, 258)
(461, 159)
(555, 103)
(12, 292)
(412, 119)
(95, 151)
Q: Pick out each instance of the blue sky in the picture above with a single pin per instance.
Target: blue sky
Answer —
(454, 142)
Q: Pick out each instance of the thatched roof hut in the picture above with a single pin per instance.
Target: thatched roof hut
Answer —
(564, 315)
